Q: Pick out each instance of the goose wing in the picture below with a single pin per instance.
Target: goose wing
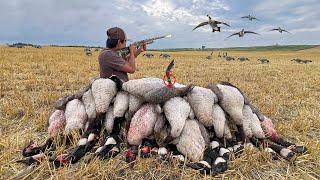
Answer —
(251, 32)
(232, 35)
(219, 22)
(275, 29)
(201, 24)
(286, 31)
(245, 17)
(170, 66)
(256, 18)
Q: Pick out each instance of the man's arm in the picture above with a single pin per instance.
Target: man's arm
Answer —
(130, 65)
(140, 50)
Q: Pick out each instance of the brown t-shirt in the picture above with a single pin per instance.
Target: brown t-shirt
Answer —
(110, 64)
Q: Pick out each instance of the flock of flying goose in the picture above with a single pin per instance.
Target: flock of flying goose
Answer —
(214, 24)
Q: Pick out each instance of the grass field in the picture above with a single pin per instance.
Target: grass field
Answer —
(31, 80)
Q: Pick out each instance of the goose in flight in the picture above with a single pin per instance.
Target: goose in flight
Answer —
(250, 17)
(280, 30)
(213, 23)
(242, 33)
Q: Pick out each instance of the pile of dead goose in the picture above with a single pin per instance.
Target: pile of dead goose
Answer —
(200, 126)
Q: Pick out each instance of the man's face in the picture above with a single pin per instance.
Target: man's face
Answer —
(122, 44)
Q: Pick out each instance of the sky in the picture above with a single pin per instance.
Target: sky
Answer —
(84, 22)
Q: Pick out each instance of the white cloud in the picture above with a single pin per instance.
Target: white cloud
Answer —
(315, 29)
(168, 10)
(274, 7)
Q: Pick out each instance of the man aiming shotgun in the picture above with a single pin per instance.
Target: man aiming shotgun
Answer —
(113, 64)
(120, 60)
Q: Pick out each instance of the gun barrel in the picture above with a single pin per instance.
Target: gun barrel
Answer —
(125, 51)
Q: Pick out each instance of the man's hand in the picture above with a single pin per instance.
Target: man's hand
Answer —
(143, 48)
(133, 49)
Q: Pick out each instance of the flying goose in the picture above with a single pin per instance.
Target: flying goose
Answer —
(241, 33)
(280, 30)
(213, 23)
(250, 17)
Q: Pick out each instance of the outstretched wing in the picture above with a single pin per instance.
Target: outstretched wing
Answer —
(245, 17)
(256, 18)
(251, 32)
(276, 29)
(286, 31)
(232, 35)
(201, 24)
(170, 66)
(218, 22)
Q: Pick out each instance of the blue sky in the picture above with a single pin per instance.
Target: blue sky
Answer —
(84, 22)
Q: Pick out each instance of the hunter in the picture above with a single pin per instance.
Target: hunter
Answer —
(113, 64)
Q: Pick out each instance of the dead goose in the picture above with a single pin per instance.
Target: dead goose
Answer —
(76, 116)
(201, 101)
(89, 104)
(243, 59)
(210, 56)
(225, 54)
(88, 51)
(263, 61)
(249, 17)
(148, 55)
(242, 33)
(301, 61)
(142, 124)
(297, 60)
(280, 30)
(213, 23)
(307, 61)
(176, 111)
(103, 91)
(153, 90)
(273, 135)
(164, 56)
(121, 104)
(229, 58)
(191, 142)
(57, 123)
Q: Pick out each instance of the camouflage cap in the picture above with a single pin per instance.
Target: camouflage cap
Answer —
(116, 33)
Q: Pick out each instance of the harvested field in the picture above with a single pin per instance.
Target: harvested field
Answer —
(31, 80)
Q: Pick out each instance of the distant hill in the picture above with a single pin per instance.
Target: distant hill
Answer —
(253, 48)
(77, 46)
(310, 50)
(21, 44)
